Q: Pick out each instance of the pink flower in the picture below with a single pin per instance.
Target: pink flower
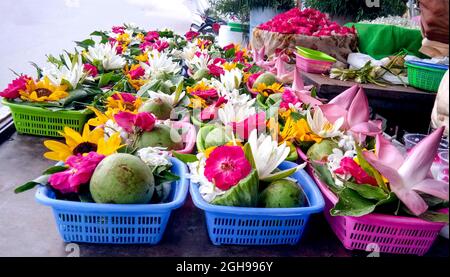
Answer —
(13, 89)
(190, 35)
(215, 70)
(143, 46)
(136, 73)
(118, 29)
(410, 176)
(228, 47)
(210, 112)
(244, 127)
(152, 36)
(227, 166)
(287, 98)
(90, 69)
(79, 173)
(205, 94)
(130, 122)
(349, 166)
(119, 49)
(239, 57)
(219, 61)
(160, 45)
(125, 96)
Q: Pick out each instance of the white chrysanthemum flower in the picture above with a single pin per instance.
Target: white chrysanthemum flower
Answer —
(107, 55)
(72, 72)
(155, 156)
(232, 79)
(159, 63)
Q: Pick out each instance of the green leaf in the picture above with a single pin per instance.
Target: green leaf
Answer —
(105, 79)
(280, 175)
(249, 155)
(368, 191)
(244, 194)
(185, 158)
(55, 169)
(370, 169)
(103, 35)
(325, 176)
(85, 43)
(434, 216)
(41, 180)
(351, 203)
(167, 176)
(178, 92)
(55, 61)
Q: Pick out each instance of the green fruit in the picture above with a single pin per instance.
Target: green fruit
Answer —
(158, 107)
(320, 151)
(160, 136)
(202, 73)
(265, 78)
(244, 194)
(122, 179)
(216, 137)
(282, 194)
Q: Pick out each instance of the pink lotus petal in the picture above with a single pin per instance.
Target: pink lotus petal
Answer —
(333, 112)
(365, 129)
(244, 127)
(433, 187)
(306, 99)
(345, 99)
(418, 162)
(358, 111)
(298, 83)
(388, 153)
(390, 173)
(412, 200)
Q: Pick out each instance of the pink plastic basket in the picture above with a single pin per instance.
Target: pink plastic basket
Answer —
(312, 66)
(378, 232)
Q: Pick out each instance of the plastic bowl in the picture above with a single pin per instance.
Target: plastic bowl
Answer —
(314, 54)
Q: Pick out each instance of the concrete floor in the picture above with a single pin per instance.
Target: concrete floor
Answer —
(28, 228)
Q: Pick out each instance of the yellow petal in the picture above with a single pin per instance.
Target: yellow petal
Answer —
(96, 135)
(54, 156)
(73, 138)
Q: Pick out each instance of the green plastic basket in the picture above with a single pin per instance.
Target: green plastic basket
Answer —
(426, 77)
(44, 122)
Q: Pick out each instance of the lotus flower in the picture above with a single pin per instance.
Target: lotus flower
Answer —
(258, 58)
(227, 166)
(320, 125)
(352, 105)
(410, 176)
(268, 155)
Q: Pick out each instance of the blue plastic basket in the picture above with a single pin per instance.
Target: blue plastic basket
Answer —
(260, 226)
(115, 223)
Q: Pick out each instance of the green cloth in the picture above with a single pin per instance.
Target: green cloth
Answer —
(380, 41)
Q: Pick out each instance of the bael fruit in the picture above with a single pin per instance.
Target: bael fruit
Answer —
(122, 179)
(320, 151)
(265, 78)
(160, 136)
(158, 107)
(282, 194)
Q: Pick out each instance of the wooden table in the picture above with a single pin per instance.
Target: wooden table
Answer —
(407, 108)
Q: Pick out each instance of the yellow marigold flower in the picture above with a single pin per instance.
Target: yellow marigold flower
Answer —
(200, 86)
(197, 102)
(140, 36)
(118, 104)
(142, 57)
(76, 143)
(123, 39)
(43, 91)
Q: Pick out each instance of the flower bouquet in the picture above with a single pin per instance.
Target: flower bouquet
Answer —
(110, 185)
(250, 195)
(373, 194)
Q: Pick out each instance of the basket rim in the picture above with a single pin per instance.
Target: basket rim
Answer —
(14, 105)
(42, 196)
(315, 200)
(426, 68)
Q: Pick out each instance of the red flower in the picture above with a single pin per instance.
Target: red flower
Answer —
(129, 122)
(136, 73)
(152, 36)
(118, 29)
(349, 166)
(227, 166)
(215, 70)
(13, 89)
(205, 94)
(228, 47)
(125, 97)
(90, 69)
(190, 35)
(160, 45)
(79, 173)
(216, 27)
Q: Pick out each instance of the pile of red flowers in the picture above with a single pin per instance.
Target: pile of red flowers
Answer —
(308, 22)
